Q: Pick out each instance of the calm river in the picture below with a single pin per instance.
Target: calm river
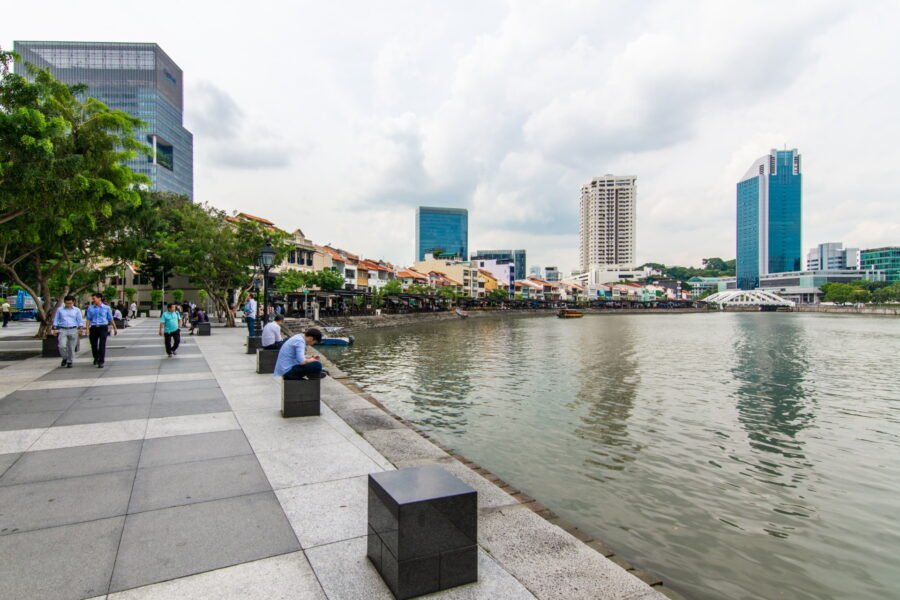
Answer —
(752, 455)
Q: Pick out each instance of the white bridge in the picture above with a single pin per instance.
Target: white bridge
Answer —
(748, 298)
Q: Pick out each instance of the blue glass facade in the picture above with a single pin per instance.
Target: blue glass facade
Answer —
(882, 259)
(139, 79)
(769, 218)
(748, 224)
(517, 256)
(444, 230)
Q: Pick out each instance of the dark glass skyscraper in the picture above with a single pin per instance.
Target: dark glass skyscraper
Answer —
(769, 210)
(442, 229)
(139, 79)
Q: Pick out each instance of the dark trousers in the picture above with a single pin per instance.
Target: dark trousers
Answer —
(311, 370)
(5, 318)
(275, 346)
(98, 335)
(173, 340)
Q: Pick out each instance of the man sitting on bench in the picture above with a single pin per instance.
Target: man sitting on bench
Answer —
(271, 334)
(292, 362)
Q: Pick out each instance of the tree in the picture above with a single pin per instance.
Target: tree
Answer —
(291, 281)
(177, 296)
(393, 287)
(498, 295)
(420, 289)
(130, 294)
(204, 296)
(65, 190)
(449, 293)
(215, 251)
(329, 280)
(839, 293)
(156, 297)
(110, 294)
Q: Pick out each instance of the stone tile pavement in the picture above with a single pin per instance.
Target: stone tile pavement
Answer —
(177, 477)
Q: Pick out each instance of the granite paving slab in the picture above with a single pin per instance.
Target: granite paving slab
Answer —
(285, 577)
(189, 448)
(324, 513)
(19, 440)
(29, 420)
(90, 400)
(103, 414)
(290, 467)
(119, 390)
(209, 392)
(200, 481)
(189, 407)
(79, 565)
(34, 401)
(63, 463)
(178, 386)
(268, 431)
(88, 434)
(188, 424)
(174, 542)
(39, 505)
(7, 460)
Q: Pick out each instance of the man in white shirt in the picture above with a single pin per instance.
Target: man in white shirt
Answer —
(7, 312)
(271, 334)
(132, 311)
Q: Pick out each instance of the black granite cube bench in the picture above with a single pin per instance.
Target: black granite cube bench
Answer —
(203, 329)
(253, 342)
(120, 323)
(265, 360)
(423, 530)
(300, 397)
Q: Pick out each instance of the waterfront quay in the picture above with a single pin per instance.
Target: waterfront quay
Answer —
(161, 477)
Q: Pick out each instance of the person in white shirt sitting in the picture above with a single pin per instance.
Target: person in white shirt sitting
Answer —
(271, 334)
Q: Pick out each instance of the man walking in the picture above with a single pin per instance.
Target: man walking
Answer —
(6, 312)
(99, 319)
(271, 334)
(67, 325)
(292, 362)
(169, 324)
(132, 310)
(250, 309)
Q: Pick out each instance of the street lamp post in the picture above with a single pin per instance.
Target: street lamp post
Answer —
(265, 260)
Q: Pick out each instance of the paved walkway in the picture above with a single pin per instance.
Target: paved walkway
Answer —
(163, 477)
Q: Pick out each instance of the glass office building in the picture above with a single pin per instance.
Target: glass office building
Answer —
(517, 256)
(139, 79)
(885, 259)
(769, 209)
(442, 230)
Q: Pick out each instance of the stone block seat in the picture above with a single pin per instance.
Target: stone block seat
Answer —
(422, 534)
(203, 328)
(300, 397)
(265, 360)
(253, 343)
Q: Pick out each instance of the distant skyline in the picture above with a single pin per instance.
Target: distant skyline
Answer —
(341, 118)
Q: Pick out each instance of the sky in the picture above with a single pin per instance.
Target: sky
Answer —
(339, 118)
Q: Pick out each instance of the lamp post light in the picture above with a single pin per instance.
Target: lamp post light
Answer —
(265, 260)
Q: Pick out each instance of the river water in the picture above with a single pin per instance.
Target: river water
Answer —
(737, 455)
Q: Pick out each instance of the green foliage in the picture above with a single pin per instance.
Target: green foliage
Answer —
(393, 287)
(498, 295)
(130, 294)
(420, 289)
(890, 293)
(110, 294)
(177, 296)
(204, 296)
(67, 197)
(292, 281)
(449, 293)
(156, 296)
(329, 280)
(712, 267)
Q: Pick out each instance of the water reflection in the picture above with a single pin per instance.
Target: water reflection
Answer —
(608, 380)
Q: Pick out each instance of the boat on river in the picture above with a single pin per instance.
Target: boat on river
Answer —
(336, 341)
(569, 313)
(461, 313)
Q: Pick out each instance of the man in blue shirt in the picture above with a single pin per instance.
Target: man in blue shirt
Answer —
(250, 310)
(99, 319)
(67, 325)
(169, 323)
(292, 362)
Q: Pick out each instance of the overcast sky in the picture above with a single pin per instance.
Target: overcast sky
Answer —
(341, 117)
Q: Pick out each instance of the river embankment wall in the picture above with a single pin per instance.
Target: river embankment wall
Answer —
(890, 311)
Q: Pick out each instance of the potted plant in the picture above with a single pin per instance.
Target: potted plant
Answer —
(156, 298)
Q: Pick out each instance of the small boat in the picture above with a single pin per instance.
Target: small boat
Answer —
(569, 313)
(461, 313)
(336, 341)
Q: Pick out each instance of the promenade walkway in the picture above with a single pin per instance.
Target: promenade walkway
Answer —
(163, 477)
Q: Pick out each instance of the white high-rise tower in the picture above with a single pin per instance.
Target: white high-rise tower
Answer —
(608, 222)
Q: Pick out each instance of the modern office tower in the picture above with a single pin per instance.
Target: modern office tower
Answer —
(517, 256)
(551, 274)
(139, 79)
(768, 218)
(608, 221)
(882, 259)
(830, 256)
(442, 230)
(534, 271)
